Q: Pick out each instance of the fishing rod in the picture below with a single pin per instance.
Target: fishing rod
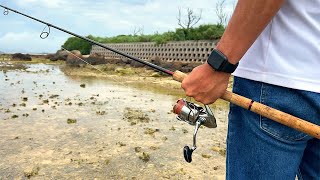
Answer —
(193, 113)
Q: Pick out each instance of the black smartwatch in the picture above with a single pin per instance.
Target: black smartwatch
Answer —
(219, 62)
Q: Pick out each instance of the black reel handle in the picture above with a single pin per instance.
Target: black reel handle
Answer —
(187, 153)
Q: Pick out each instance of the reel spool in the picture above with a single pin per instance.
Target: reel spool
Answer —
(194, 115)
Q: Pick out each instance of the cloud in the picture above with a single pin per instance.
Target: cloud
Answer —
(98, 18)
(29, 42)
(44, 3)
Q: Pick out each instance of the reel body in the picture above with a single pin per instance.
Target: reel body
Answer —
(194, 115)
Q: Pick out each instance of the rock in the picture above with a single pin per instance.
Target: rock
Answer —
(23, 104)
(107, 161)
(156, 74)
(74, 58)
(137, 149)
(54, 96)
(172, 65)
(125, 60)
(21, 57)
(145, 157)
(154, 148)
(116, 61)
(172, 128)
(136, 64)
(121, 144)
(14, 116)
(184, 131)
(71, 121)
(101, 113)
(207, 156)
(31, 171)
(95, 59)
(60, 55)
(125, 71)
(164, 138)
(135, 116)
(182, 66)
(155, 60)
(221, 151)
(25, 115)
(150, 131)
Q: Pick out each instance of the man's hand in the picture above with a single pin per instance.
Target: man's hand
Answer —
(205, 85)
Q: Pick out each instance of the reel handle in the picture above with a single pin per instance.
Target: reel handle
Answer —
(266, 111)
(187, 152)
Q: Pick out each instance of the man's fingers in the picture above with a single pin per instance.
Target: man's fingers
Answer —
(185, 85)
(205, 99)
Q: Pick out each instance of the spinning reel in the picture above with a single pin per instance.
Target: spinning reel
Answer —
(194, 115)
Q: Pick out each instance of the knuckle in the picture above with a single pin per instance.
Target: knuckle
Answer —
(183, 85)
(207, 102)
(189, 93)
(197, 98)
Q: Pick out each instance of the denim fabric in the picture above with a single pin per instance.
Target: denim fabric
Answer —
(261, 149)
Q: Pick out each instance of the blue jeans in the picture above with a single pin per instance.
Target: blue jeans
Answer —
(261, 149)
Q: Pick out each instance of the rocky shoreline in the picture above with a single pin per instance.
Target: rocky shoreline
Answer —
(116, 122)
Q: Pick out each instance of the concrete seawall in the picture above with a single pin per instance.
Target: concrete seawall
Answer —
(173, 51)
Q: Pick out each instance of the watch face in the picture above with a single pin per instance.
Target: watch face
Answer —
(219, 62)
(216, 60)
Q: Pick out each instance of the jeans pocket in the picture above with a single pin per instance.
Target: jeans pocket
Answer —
(270, 96)
(280, 131)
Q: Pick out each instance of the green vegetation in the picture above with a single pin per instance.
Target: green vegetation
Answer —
(75, 43)
(203, 32)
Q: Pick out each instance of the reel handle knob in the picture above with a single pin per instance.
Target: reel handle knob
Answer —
(187, 153)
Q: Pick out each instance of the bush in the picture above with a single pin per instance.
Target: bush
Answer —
(203, 32)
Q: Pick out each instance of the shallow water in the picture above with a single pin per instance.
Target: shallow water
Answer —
(36, 141)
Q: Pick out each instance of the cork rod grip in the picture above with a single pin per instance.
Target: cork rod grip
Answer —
(266, 111)
(179, 76)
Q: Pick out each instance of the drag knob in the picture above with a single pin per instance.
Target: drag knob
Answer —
(187, 153)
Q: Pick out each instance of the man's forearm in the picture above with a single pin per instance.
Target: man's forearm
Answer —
(247, 22)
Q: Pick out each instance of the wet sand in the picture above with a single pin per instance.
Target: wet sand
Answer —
(69, 124)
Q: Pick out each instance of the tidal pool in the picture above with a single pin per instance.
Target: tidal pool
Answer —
(55, 126)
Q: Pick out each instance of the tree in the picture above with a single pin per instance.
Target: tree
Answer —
(74, 43)
(220, 12)
(191, 20)
(138, 30)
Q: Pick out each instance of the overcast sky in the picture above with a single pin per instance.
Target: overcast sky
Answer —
(103, 18)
